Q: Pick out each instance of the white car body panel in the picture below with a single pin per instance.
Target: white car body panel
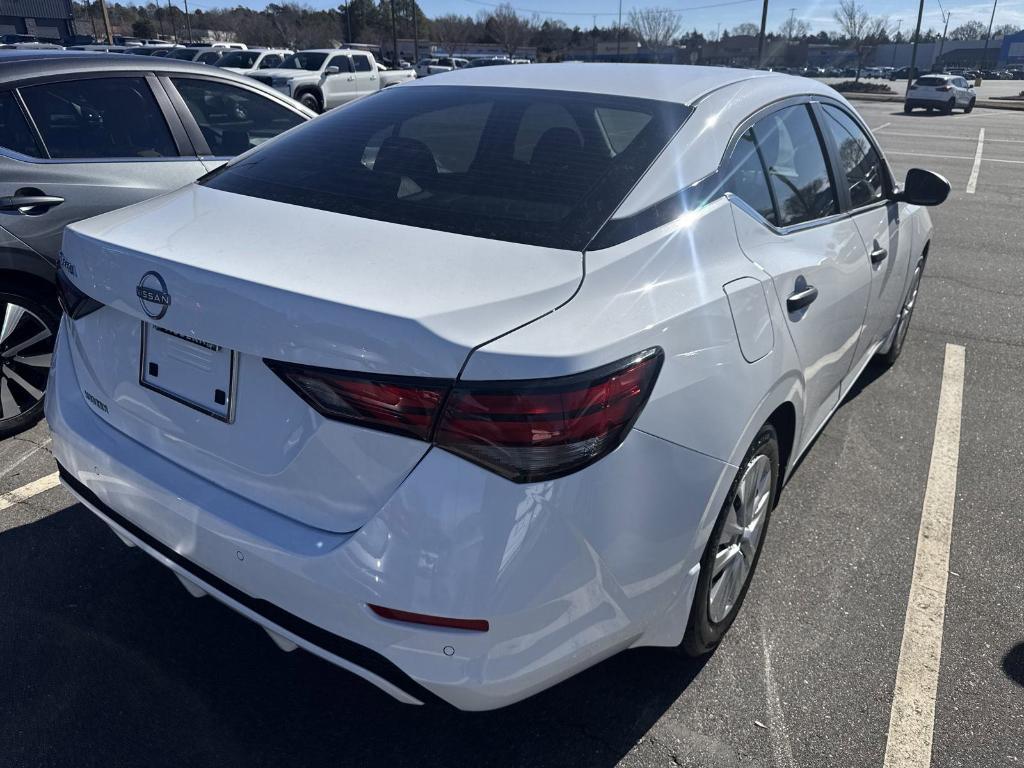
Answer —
(301, 522)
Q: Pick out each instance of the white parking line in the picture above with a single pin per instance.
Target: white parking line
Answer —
(912, 720)
(950, 138)
(883, 125)
(956, 157)
(26, 492)
(973, 181)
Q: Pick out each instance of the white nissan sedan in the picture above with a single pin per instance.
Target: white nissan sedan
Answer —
(483, 379)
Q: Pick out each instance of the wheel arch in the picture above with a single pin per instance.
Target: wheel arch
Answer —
(313, 89)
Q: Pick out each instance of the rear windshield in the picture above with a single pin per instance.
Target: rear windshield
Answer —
(931, 81)
(529, 166)
(242, 59)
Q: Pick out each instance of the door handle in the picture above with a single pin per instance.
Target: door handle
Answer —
(19, 202)
(879, 254)
(801, 299)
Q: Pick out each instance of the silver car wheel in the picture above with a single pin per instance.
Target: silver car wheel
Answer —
(908, 309)
(26, 345)
(740, 537)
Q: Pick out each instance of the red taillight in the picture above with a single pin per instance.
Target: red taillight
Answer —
(529, 431)
(405, 406)
(473, 625)
(946, 88)
(524, 430)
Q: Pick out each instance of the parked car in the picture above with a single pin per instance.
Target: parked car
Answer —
(945, 92)
(205, 55)
(488, 62)
(903, 73)
(438, 451)
(84, 133)
(151, 50)
(439, 64)
(253, 59)
(322, 79)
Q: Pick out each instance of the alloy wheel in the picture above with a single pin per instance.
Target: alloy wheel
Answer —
(740, 537)
(908, 309)
(26, 347)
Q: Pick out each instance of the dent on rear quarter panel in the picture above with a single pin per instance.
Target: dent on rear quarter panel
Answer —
(662, 289)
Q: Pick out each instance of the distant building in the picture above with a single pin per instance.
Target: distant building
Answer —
(1012, 49)
(51, 20)
(951, 53)
(409, 50)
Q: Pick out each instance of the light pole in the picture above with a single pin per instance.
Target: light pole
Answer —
(618, 35)
(899, 23)
(760, 37)
(394, 34)
(917, 37)
(942, 42)
(984, 51)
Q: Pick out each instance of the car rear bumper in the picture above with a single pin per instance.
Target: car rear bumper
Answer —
(930, 101)
(566, 572)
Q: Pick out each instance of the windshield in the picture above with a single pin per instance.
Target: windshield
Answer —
(182, 53)
(541, 167)
(304, 60)
(240, 59)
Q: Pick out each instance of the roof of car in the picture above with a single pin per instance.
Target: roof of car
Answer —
(683, 84)
(19, 65)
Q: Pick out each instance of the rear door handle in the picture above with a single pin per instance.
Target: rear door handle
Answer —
(878, 255)
(18, 202)
(801, 299)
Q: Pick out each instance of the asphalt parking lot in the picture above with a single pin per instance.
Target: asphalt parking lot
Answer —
(106, 660)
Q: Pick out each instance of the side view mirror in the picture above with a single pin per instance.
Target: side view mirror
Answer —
(332, 71)
(923, 188)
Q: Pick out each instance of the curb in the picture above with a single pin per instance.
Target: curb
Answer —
(979, 104)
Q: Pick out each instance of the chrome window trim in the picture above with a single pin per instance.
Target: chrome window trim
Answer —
(12, 155)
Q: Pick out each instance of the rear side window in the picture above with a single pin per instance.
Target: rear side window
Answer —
(796, 166)
(861, 163)
(362, 64)
(522, 165)
(233, 120)
(100, 117)
(744, 176)
(15, 133)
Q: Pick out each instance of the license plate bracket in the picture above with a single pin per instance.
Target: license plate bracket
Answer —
(190, 371)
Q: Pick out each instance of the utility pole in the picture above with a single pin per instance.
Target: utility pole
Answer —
(618, 35)
(394, 34)
(348, 19)
(415, 35)
(760, 37)
(899, 23)
(593, 41)
(917, 37)
(174, 24)
(984, 51)
(106, 22)
(945, 26)
(792, 14)
(188, 23)
(92, 20)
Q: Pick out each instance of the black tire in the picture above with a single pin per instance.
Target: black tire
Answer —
(906, 313)
(948, 109)
(907, 109)
(19, 407)
(969, 108)
(702, 633)
(310, 100)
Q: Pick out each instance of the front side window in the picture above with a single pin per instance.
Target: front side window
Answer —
(99, 117)
(362, 64)
(270, 61)
(233, 120)
(521, 165)
(343, 63)
(15, 133)
(743, 175)
(861, 164)
(210, 57)
(185, 54)
(796, 166)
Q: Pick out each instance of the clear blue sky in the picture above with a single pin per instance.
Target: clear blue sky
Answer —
(695, 13)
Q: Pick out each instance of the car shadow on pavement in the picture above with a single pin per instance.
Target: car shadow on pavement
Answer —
(105, 660)
(1013, 663)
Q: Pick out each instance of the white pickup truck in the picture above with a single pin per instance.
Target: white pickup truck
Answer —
(325, 78)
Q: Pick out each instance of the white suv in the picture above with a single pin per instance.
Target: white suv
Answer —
(944, 92)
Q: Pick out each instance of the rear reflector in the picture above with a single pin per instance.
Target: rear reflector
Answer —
(473, 625)
(524, 430)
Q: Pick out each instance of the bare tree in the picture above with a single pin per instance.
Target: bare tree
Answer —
(970, 30)
(508, 28)
(655, 27)
(451, 31)
(747, 28)
(861, 30)
(794, 29)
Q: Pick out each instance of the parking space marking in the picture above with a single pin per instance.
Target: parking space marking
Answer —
(956, 157)
(883, 125)
(951, 138)
(23, 458)
(26, 492)
(912, 720)
(973, 181)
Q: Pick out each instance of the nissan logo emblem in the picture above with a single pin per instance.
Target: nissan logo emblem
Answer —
(153, 295)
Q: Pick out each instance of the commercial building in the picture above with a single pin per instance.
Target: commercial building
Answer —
(51, 20)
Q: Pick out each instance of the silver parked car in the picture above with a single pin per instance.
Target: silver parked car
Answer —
(84, 133)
